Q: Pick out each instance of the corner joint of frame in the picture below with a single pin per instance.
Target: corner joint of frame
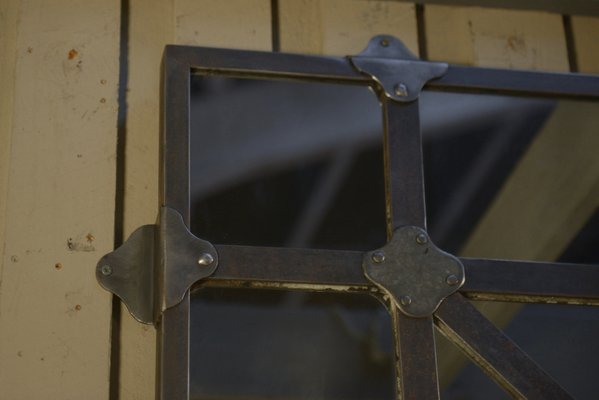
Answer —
(156, 266)
(399, 73)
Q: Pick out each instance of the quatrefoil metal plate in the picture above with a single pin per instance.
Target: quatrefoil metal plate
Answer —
(415, 273)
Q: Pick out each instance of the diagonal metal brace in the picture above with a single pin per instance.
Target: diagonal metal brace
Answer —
(154, 268)
(400, 73)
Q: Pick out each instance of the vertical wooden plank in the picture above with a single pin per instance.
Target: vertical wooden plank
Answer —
(586, 32)
(152, 25)
(54, 318)
(496, 38)
(8, 43)
(343, 27)
(242, 24)
(150, 29)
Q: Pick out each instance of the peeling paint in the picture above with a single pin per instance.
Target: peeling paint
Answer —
(81, 243)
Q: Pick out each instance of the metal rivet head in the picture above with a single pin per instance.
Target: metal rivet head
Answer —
(452, 280)
(106, 270)
(384, 42)
(421, 238)
(378, 257)
(401, 90)
(405, 300)
(206, 259)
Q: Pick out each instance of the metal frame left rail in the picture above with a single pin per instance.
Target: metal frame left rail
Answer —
(421, 285)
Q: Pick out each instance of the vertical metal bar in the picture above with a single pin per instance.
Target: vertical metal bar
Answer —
(173, 330)
(174, 149)
(173, 352)
(416, 360)
(404, 178)
(416, 365)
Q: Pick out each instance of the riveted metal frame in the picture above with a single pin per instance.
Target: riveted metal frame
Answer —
(295, 269)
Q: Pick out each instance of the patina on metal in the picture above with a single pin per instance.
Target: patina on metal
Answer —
(156, 266)
(416, 274)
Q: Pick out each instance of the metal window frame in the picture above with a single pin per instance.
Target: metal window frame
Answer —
(165, 257)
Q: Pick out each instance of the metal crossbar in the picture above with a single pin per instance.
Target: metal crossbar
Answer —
(398, 77)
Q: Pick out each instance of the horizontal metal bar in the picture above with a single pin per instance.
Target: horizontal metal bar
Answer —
(303, 269)
(458, 78)
(531, 282)
(494, 352)
(209, 60)
(517, 82)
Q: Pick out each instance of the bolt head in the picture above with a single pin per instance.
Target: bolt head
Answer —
(421, 238)
(452, 280)
(206, 259)
(405, 300)
(106, 270)
(401, 90)
(378, 256)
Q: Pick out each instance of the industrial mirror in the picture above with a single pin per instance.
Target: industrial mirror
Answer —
(292, 256)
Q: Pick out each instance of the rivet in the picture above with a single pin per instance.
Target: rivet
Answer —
(405, 300)
(452, 280)
(401, 90)
(106, 270)
(206, 259)
(384, 42)
(378, 257)
(421, 238)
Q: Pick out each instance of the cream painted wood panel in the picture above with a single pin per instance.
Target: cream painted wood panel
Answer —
(54, 318)
(150, 29)
(243, 24)
(586, 40)
(8, 43)
(153, 24)
(496, 38)
(343, 27)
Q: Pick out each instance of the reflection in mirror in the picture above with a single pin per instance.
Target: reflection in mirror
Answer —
(285, 163)
(561, 339)
(250, 344)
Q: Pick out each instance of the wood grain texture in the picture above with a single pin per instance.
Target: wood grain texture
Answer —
(586, 33)
(154, 24)
(342, 27)
(242, 24)
(8, 43)
(150, 29)
(54, 317)
(496, 38)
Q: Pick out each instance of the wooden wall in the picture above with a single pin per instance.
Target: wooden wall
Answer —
(58, 117)
(58, 121)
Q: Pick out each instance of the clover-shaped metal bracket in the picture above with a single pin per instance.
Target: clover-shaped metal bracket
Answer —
(154, 268)
(400, 73)
(414, 272)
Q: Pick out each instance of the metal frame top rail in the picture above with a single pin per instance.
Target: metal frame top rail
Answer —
(421, 285)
